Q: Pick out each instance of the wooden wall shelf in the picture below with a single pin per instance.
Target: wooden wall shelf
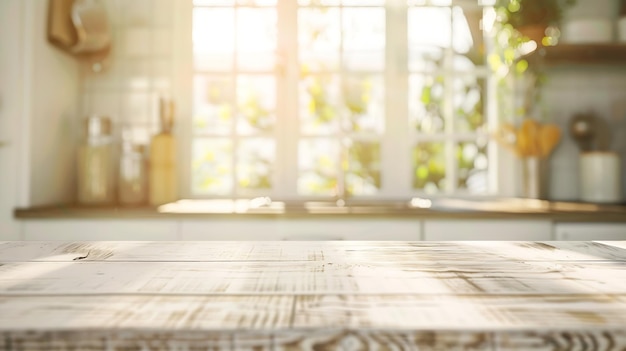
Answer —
(595, 54)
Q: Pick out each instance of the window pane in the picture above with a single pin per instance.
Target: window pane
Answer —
(430, 32)
(256, 102)
(468, 104)
(319, 38)
(363, 97)
(212, 105)
(364, 38)
(468, 36)
(426, 100)
(212, 166)
(462, 63)
(319, 104)
(429, 170)
(318, 166)
(255, 163)
(363, 174)
(213, 38)
(473, 164)
(256, 39)
(429, 27)
(426, 60)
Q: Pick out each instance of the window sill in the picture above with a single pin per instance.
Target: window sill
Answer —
(509, 208)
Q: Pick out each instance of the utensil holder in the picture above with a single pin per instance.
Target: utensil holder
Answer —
(534, 178)
(600, 177)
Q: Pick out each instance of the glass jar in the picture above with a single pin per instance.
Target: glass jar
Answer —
(96, 167)
(133, 175)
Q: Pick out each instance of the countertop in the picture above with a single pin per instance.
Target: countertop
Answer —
(445, 208)
(312, 295)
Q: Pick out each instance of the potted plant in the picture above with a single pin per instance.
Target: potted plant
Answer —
(531, 18)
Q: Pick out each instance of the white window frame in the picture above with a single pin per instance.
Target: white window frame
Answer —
(396, 143)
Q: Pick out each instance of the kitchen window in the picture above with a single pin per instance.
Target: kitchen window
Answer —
(339, 98)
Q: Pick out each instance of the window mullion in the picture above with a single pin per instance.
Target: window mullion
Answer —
(287, 124)
(500, 166)
(396, 144)
(183, 91)
(341, 136)
(448, 114)
(233, 131)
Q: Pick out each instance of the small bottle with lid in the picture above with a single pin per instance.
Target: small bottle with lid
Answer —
(96, 163)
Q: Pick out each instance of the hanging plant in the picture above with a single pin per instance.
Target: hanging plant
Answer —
(532, 18)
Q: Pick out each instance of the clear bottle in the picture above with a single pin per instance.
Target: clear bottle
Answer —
(133, 175)
(96, 163)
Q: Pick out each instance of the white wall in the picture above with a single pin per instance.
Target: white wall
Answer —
(52, 90)
(39, 94)
(10, 107)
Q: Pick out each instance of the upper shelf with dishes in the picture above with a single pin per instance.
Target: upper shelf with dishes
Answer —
(592, 54)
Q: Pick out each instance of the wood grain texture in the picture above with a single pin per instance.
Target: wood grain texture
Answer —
(312, 296)
(392, 251)
(144, 312)
(235, 278)
(341, 340)
(478, 313)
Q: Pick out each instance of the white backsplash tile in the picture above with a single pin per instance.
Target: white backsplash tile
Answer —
(136, 107)
(581, 89)
(137, 13)
(106, 103)
(161, 41)
(162, 12)
(161, 75)
(137, 75)
(137, 42)
(140, 69)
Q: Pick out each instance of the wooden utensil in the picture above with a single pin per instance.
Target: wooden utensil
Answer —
(529, 133)
(549, 137)
(524, 148)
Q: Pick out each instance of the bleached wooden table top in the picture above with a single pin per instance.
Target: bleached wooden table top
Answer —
(312, 295)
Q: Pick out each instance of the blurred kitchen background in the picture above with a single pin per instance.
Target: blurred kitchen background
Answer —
(341, 102)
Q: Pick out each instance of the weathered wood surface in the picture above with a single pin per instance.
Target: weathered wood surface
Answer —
(302, 277)
(391, 251)
(312, 296)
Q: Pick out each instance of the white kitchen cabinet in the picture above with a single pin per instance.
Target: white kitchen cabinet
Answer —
(323, 228)
(301, 229)
(590, 231)
(100, 230)
(487, 230)
(351, 229)
(229, 229)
